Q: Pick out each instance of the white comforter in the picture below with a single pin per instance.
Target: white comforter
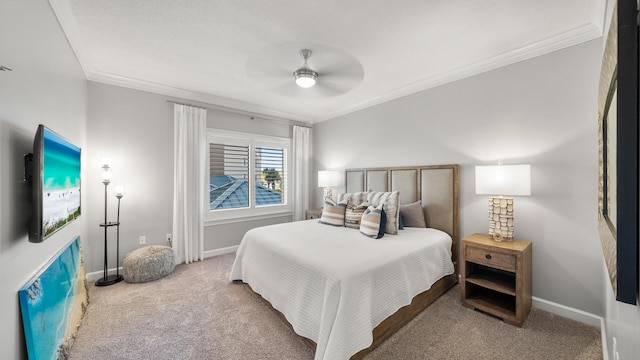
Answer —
(333, 284)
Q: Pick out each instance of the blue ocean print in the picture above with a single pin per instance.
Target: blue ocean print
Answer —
(46, 302)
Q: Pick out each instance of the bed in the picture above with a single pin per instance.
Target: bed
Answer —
(343, 292)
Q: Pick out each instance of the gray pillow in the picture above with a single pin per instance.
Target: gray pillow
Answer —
(413, 215)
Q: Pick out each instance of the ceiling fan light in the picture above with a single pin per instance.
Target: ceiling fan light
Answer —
(305, 78)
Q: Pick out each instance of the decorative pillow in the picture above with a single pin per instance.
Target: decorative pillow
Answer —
(391, 202)
(356, 198)
(354, 214)
(373, 222)
(332, 213)
(412, 215)
(400, 222)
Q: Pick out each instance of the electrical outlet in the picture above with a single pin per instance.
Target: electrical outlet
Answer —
(143, 240)
(169, 237)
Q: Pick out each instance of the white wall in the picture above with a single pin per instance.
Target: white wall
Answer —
(541, 111)
(46, 86)
(136, 128)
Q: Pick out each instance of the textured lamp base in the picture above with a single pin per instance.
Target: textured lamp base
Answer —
(328, 193)
(501, 218)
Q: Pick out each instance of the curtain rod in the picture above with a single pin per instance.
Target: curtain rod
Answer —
(251, 116)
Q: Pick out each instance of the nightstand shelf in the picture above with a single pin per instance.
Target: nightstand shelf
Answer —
(496, 277)
(494, 280)
(498, 304)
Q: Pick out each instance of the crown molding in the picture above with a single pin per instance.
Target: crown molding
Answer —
(219, 102)
(66, 19)
(569, 38)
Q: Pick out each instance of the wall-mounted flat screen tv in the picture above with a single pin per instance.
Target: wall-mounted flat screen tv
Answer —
(56, 184)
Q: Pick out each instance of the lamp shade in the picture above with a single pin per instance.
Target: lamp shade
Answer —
(119, 190)
(105, 160)
(510, 180)
(328, 178)
(106, 175)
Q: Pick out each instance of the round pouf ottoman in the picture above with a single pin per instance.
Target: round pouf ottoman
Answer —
(148, 263)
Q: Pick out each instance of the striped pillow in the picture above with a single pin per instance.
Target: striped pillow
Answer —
(332, 213)
(354, 214)
(373, 222)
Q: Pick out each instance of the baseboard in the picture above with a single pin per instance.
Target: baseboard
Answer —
(567, 312)
(222, 251)
(577, 315)
(603, 335)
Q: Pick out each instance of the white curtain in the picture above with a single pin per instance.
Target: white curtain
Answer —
(301, 156)
(189, 181)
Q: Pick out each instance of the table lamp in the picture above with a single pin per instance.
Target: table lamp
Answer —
(327, 179)
(500, 180)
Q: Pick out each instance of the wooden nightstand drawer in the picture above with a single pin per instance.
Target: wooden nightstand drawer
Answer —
(491, 258)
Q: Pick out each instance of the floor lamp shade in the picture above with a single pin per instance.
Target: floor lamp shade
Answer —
(501, 180)
(328, 179)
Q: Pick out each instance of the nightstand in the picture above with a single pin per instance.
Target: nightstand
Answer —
(496, 277)
(312, 214)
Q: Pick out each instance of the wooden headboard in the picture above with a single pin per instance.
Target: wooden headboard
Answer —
(437, 186)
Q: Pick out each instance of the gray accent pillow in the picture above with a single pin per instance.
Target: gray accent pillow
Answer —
(413, 215)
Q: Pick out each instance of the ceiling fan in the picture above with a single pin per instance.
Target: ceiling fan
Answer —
(305, 77)
(334, 71)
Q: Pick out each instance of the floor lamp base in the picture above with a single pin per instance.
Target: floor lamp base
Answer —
(109, 280)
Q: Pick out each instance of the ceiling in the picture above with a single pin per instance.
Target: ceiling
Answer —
(241, 54)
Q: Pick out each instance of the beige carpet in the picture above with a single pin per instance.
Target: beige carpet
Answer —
(196, 313)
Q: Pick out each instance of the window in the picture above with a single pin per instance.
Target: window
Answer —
(248, 175)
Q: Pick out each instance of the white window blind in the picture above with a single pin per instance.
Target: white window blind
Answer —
(229, 173)
(248, 175)
(270, 175)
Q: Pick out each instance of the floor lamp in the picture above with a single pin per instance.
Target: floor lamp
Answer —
(106, 278)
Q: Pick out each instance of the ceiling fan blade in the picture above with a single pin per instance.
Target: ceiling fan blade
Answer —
(267, 70)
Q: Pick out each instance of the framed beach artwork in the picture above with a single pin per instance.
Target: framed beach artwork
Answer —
(618, 185)
(52, 304)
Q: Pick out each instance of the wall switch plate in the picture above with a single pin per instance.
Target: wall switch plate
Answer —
(143, 240)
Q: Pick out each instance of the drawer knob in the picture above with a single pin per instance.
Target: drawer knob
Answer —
(488, 256)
